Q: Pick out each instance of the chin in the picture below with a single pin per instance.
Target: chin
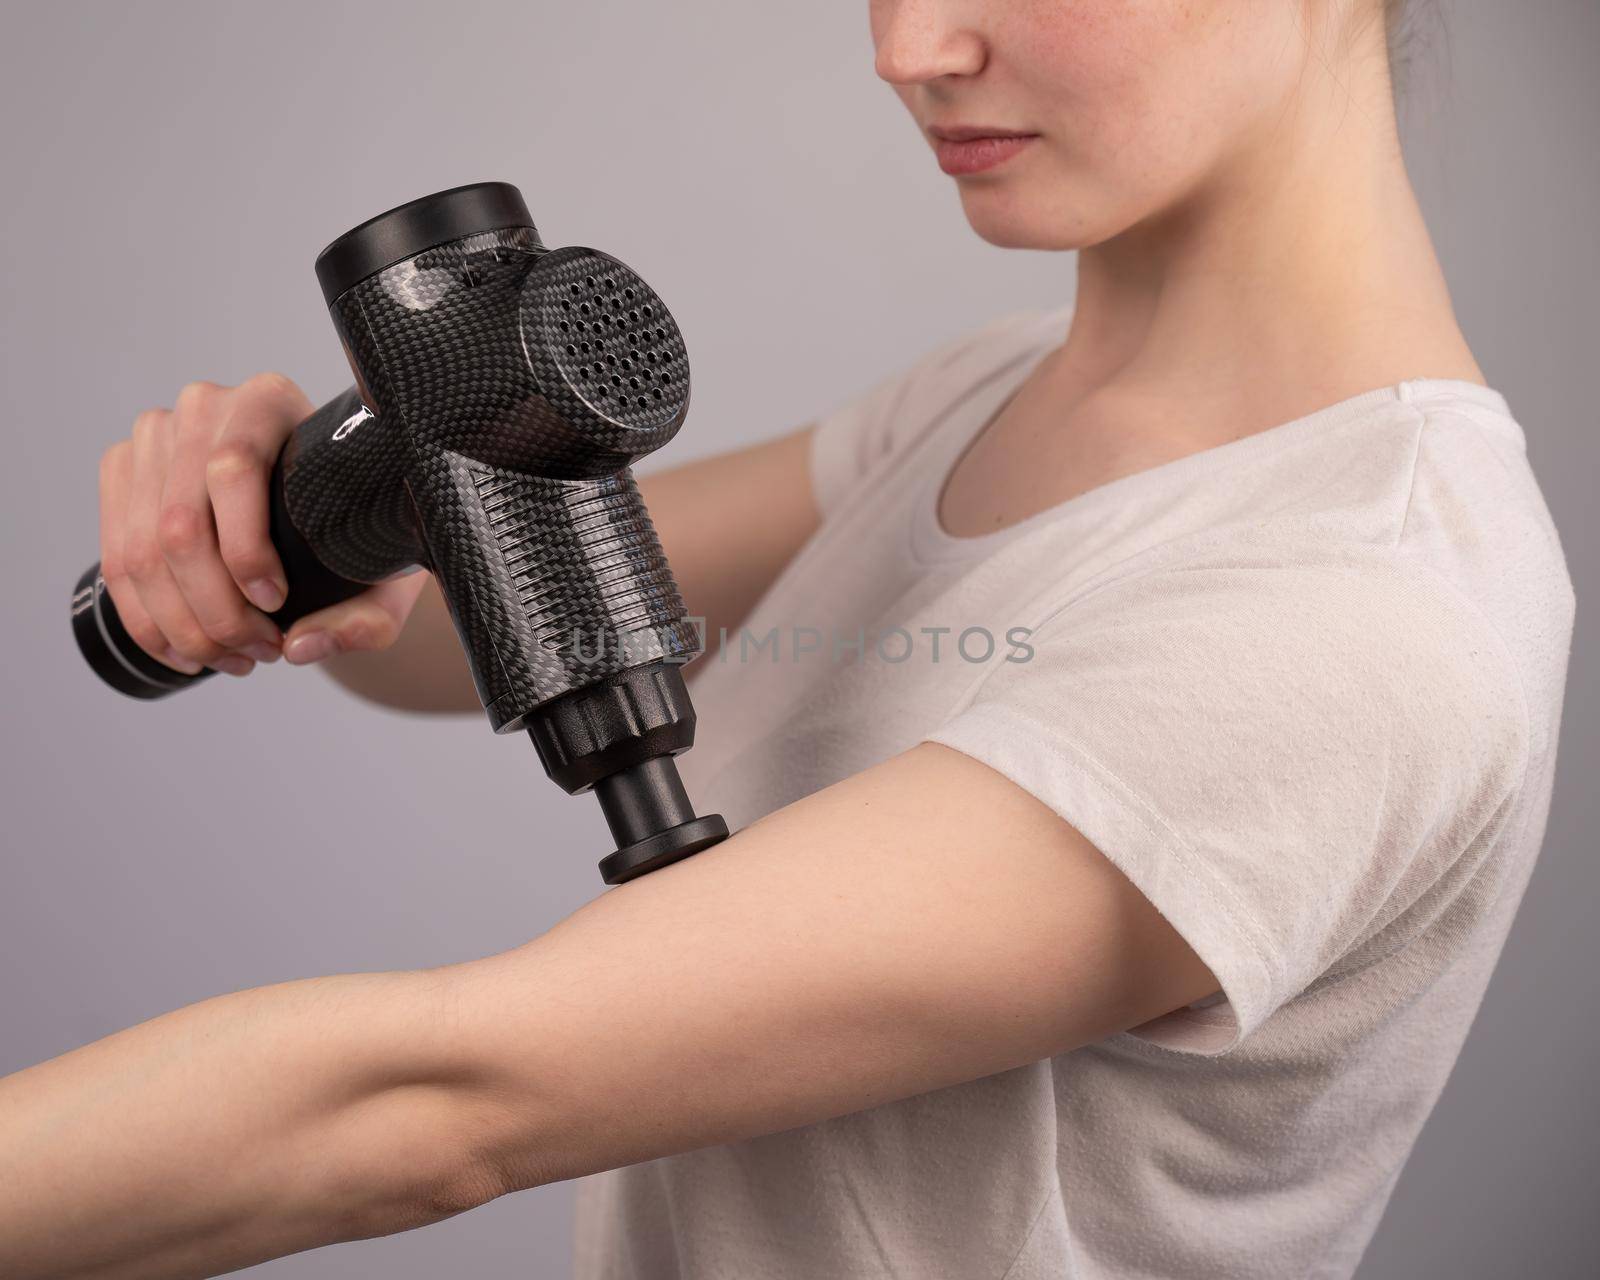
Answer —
(1007, 218)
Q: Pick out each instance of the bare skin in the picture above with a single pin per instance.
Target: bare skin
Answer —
(1249, 252)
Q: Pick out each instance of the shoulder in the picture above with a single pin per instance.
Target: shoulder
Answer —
(1364, 611)
(1253, 654)
(1474, 480)
(999, 340)
(955, 366)
(884, 422)
(1476, 518)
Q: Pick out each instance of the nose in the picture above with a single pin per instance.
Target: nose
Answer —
(922, 40)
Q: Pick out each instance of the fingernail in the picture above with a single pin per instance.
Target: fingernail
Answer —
(314, 646)
(265, 594)
(261, 651)
(231, 664)
(174, 659)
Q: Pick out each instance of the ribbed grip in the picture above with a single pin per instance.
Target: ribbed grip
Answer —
(546, 529)
(565, 586)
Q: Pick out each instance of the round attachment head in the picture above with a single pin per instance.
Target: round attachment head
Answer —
(663, 848)
(605, 351)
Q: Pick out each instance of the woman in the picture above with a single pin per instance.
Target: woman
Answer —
(1136, 942)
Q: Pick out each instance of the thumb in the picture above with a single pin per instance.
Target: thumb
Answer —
(371, 620)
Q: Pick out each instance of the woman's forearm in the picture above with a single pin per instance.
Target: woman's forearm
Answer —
(235, 1130)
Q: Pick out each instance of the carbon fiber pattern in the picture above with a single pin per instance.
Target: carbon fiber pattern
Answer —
(515, 468)
(344, 484)
(624, 591)
(601, 342)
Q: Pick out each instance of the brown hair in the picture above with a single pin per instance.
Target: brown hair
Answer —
(1401, 22)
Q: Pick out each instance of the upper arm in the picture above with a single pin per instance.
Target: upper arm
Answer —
(921, 924)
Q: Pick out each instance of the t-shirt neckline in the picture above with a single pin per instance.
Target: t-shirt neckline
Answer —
(931, 543)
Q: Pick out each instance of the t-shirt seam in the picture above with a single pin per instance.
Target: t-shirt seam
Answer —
(1490, 627)
(1488, 623)
(1033, 1226)
(1420, 420)
(1425, 421)
(1481, 426)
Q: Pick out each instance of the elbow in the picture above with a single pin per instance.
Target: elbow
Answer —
(422, 1165)
(448, 1194)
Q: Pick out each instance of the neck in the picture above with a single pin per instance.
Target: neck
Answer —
(1299, 273)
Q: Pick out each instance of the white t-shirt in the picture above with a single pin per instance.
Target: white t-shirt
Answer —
(1303, 689)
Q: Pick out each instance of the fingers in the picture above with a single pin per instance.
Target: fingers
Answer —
(144, 555)
(185, 545)
(265, 410)
(186, 549)
(116, 486)
(186, 532)
(369, 621)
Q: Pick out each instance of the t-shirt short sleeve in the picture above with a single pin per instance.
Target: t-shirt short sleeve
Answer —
(868, 431)
(1284, 758)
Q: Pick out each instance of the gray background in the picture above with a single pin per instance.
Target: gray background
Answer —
(170, 170)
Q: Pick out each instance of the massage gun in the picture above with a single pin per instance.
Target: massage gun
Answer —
(503, 391)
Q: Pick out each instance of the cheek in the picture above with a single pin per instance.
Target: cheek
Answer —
(1140, 97)
(1097, 72)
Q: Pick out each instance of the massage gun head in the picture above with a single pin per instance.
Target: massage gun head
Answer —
(606, 354)
(561, 363)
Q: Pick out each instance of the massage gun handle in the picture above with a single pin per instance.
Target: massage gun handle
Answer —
(121, 663)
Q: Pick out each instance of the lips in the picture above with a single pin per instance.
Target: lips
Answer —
(968, 149)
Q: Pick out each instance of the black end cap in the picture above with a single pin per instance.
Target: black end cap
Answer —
(111, 652)
(408, 229)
